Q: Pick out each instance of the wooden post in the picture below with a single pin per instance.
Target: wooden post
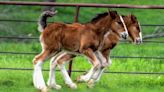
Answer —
(75, 20)
(50, 8)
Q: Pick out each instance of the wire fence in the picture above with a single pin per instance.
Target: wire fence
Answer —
(34, 21)
(78, 6)
(37, 38)
(119, 57)
(82, 71)
(81, 5)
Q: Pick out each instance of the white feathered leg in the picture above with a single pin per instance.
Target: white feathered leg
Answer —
(98, 74)
(52, 79)
(38, 79)
(67, 78)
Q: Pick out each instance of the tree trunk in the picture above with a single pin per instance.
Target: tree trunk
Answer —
(51, 8)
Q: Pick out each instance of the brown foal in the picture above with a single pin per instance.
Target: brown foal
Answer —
(83, 39)
(110, 42)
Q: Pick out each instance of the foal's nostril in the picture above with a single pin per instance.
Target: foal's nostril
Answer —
(124, 35)
(138, 41)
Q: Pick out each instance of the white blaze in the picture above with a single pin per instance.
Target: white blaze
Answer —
(140, 34)
(126, 30)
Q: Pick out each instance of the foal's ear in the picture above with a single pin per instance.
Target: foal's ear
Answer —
(133, 18)
(113, 14)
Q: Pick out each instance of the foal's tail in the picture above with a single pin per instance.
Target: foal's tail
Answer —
(42, 23)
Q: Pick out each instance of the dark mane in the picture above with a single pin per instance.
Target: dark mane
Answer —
(99, 16)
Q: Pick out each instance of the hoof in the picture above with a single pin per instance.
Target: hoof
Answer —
(104, 65)
(80, 79)
(72, 86)
(55, 86)
(44, 90)
(90, 83)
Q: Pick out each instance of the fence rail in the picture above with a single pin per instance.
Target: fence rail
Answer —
(34, 21)
(79, 71)
(122, 57)
(81, 5)
(37, 38)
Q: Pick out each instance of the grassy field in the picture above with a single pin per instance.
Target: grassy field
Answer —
(21, 81)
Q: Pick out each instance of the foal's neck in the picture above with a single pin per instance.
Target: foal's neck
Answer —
(102, 26)
(114, 37)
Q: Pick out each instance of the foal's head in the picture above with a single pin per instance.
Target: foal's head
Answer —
(134, 28)
(111, 21)
(118, 24)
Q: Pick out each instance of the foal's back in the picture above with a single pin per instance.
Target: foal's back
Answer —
(60, 35)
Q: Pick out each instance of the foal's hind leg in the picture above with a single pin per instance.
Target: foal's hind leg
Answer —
(52, 79)
(38, 79)
(61, 63)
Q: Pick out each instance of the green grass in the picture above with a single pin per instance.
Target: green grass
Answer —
(21, 81)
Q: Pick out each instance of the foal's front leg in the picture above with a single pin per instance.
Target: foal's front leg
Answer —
(95, 62)
(97, 75)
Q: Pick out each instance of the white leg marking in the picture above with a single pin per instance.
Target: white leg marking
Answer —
(38, 79)
(86, 77)
(67, 79)
(64, 72)
(96, 74)
(99, 73)
(52, 80)
(102, 59)
(104, 63)
(89, 75)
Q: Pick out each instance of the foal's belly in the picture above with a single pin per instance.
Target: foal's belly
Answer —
(71, 44)
(71, 47)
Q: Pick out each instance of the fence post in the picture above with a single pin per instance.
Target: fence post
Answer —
(75, 20)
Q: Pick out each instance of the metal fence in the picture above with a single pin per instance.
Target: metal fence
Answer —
(77, 9)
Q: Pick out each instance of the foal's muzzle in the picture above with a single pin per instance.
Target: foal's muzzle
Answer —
(124, 35)
(138, 41)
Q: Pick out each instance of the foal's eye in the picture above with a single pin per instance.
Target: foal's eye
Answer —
(138, 28)
(119, 22)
